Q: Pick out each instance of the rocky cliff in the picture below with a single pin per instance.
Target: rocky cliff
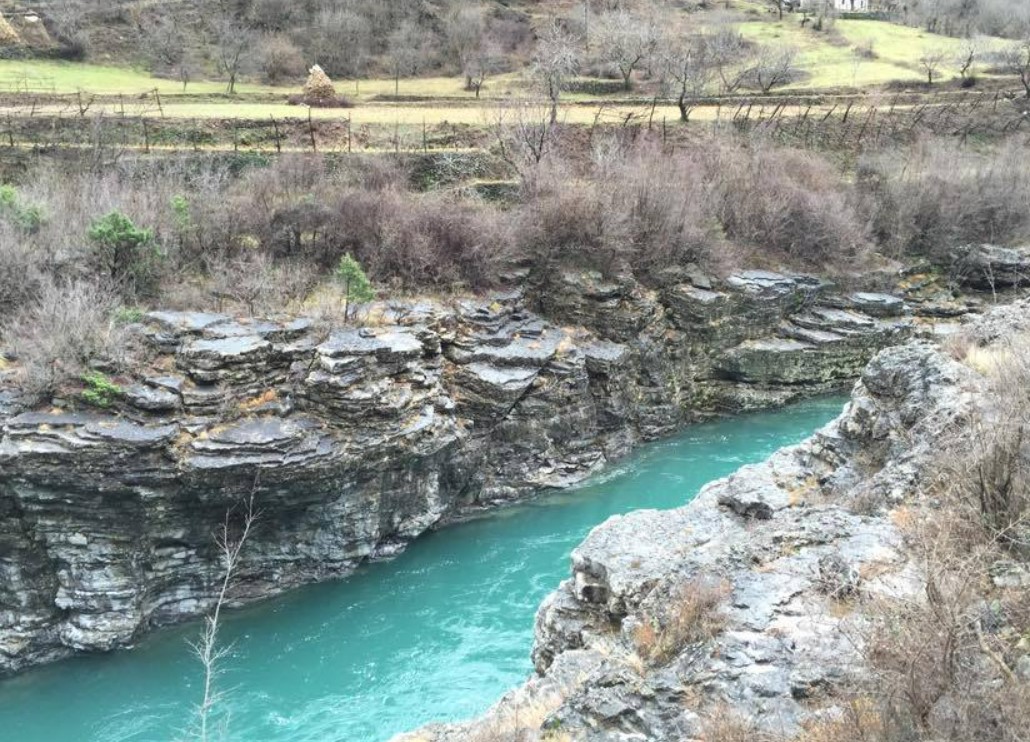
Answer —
(356, 441)
(749, 601)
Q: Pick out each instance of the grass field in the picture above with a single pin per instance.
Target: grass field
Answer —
(829, 60)
(46, 76)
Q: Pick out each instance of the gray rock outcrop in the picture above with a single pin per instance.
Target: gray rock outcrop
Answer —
(356, 442)
(788, 542)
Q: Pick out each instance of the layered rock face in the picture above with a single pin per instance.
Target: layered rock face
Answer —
(778, 547)
(356, 441)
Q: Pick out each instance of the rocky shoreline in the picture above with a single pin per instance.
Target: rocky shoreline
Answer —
(794, 548)
(356, 442)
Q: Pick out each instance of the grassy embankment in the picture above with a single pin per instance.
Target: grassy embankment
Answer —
(847, 61)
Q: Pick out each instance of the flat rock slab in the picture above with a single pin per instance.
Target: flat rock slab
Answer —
(258, 432)
(33, 420)
(268, 329)
(151, 399)
(989, 267)
(185, 322)
(835, 319)
(771, 285)
(507, 378)
(535, 350)
(213, 354)
(125, 433)
(878, 305)
(385, 345)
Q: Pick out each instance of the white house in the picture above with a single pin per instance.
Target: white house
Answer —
(842, 6)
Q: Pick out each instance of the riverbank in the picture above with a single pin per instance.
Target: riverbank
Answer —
(356, 442)
(438, 633)
(755, 611)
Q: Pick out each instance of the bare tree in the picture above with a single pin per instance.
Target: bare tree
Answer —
(967, 58)
(774, 65)
(165, 43)
(465, 28)
(404, 52)
(340, 42)
(625, 41)
(729, 55)
(554, 63)
(687, 64)
(1016, 60)
(524, 132)
(931, 61)
(230, 541)
(234, 38)
(484, 62)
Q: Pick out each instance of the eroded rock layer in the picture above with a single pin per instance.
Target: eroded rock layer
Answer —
(356, 441)
(783, 549)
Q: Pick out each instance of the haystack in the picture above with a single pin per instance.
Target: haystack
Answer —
(8, 36)
(319, 90)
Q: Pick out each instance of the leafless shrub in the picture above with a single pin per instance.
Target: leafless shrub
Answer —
(772, 66)
(692, 614)
(56, 337)
(931, 61)
(435, 240)
(23, 266)
(938, 195)
(790, 203)
(555, 62)
(230, 540)
(261, 287)
(724, 725)
(281, 60)
(524, 135)
(942, 662)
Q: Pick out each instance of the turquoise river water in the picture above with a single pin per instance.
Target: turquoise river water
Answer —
(437, 634)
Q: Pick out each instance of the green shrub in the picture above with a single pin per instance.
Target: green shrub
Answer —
(125, 253)
(356, 286)
(100, 391)
(27, 217)
(128, 315)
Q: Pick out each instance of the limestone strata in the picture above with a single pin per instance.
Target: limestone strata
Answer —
(357, 441)
(779, 540)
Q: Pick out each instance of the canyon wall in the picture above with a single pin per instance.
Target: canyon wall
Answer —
(355, 441)
(775, 571)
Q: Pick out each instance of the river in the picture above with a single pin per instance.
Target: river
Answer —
(437, 634)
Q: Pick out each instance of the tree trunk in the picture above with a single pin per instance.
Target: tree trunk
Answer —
(627, 80)
(681, 102)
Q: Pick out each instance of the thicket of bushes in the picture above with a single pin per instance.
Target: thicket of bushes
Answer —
(263, 240)
(949, 664)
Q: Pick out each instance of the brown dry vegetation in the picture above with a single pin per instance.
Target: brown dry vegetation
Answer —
(691, 614)
(945, 665)
(267, 239)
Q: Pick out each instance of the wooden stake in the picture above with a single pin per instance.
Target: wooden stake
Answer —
(275, 125)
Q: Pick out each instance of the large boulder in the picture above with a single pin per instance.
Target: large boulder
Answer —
(991, 267)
